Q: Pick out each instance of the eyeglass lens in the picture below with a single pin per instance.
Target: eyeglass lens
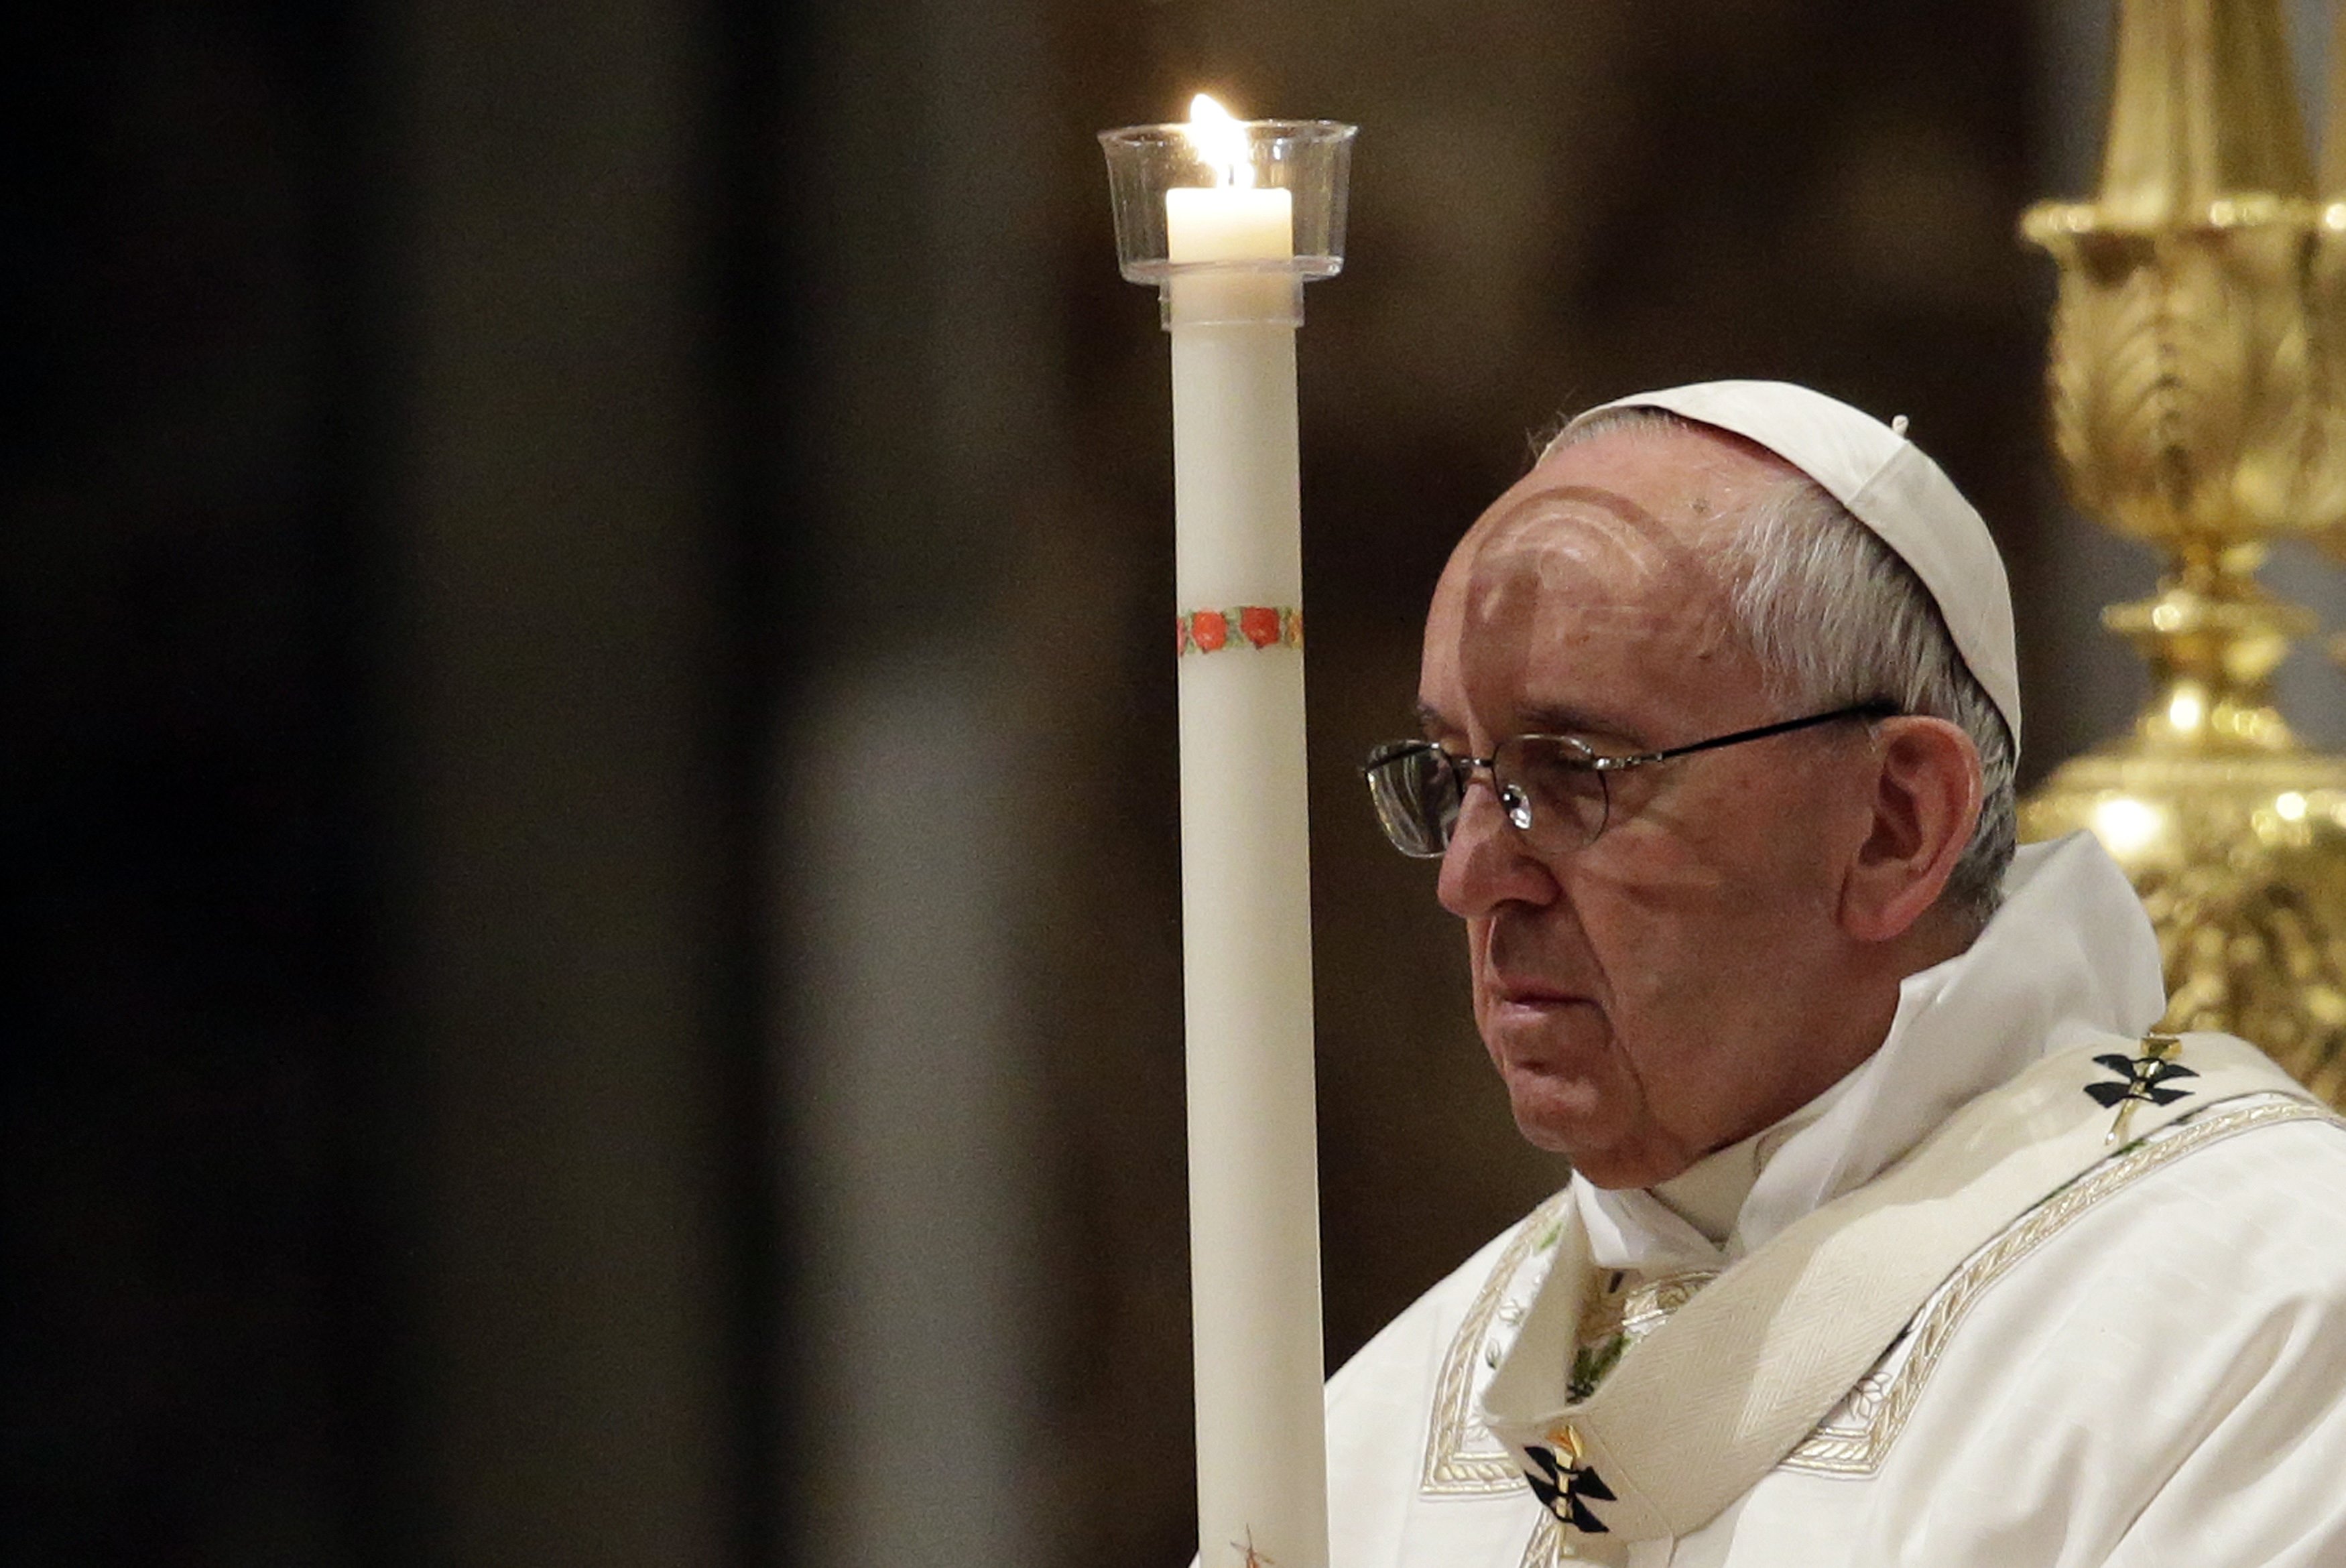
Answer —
(1544, 783)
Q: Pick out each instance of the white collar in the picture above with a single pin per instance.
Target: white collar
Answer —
(2069, 952)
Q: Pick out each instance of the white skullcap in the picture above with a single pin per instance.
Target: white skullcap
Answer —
(1889, 485)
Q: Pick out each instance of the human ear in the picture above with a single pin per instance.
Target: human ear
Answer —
(1926, 798)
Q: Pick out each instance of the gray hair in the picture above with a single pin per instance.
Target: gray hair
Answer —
(1836, 620)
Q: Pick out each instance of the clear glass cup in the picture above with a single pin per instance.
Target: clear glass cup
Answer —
(1309, 160)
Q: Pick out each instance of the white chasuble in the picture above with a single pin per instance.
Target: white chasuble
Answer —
(2025, 1288)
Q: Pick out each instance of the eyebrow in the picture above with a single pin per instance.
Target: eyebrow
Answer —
(1542, 720)
(1561, 720)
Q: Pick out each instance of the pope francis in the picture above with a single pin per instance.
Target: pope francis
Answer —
(1893, 1236)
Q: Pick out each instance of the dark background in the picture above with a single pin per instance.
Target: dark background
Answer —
(593, 962)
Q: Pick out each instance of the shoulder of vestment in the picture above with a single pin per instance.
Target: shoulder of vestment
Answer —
(1690, 1415)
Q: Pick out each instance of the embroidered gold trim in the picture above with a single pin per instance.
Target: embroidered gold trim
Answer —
(1855, 1439)
(1450, 1469)
(1618, 1318)
(1637, 1310)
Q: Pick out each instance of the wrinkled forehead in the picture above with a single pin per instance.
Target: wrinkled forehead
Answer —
(1564, 535)
(1627, 509)
(1558, 580)
(1603, 546)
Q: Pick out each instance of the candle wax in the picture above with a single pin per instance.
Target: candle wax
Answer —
(1230, 224)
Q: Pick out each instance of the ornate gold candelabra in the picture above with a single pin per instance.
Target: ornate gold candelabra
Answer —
(2199, 404)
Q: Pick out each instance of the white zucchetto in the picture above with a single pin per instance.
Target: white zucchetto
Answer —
(1890, 485)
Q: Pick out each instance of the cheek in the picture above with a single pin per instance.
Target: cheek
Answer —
(1681, 946)
(1640, 900)
(1743, 857)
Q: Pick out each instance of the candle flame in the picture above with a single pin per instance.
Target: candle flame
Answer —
(1220, 141)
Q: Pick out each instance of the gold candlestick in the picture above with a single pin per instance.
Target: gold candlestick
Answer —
(2198, 403)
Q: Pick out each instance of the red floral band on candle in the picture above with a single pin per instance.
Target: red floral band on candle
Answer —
(1253, 625)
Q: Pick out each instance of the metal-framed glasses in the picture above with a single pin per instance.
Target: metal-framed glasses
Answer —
(1551, 786)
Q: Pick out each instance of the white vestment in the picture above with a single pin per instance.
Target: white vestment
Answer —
(2141, 1365)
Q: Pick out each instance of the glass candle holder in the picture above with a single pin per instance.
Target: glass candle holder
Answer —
(1229, 219)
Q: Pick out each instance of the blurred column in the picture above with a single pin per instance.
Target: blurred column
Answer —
(909, 808)
(553, 623)
(2086, 683)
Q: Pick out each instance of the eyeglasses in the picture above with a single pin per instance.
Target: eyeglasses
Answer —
(1550, 786)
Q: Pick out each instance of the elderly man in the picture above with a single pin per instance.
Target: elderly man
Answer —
(1892, 1237)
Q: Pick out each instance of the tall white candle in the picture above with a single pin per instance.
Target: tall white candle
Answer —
(1254, 1218)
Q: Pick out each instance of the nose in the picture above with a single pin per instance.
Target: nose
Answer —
(1490, 862)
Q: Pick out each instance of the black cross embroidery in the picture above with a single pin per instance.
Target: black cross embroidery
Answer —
(1564, 1486)
(2144, 1079)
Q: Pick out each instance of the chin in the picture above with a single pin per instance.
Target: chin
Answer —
(1617, 1173)
(1571, 1121)
(1560, 1117)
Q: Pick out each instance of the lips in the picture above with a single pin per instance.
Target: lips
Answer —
(1523, 982)
(1512, 992)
